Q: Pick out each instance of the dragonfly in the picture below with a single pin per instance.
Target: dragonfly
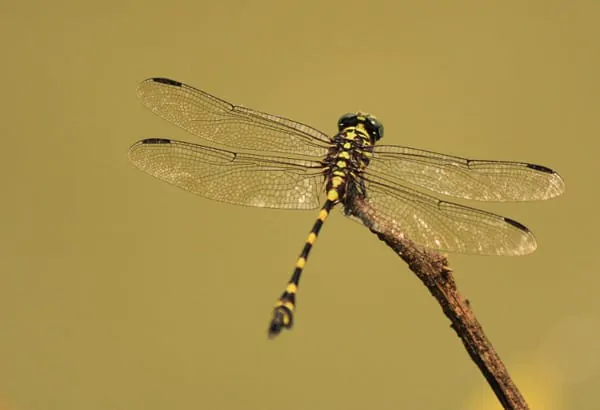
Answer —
(263, 160)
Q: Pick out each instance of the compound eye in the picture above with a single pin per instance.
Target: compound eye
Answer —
(377, 129)
(347, 120)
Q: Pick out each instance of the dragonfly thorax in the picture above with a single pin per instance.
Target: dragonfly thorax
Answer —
(368, 122)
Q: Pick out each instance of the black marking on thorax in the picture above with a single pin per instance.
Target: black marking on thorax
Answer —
(347, 158)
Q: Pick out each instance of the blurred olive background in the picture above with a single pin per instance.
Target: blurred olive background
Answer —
(119, 291)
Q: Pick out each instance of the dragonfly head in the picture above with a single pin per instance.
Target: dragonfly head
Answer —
(362, 120)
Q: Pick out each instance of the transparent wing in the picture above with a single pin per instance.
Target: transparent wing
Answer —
(218, 121)
(464, 178)
(237, 178)
(440, 225)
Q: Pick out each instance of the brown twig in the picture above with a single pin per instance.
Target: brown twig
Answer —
(432, 269)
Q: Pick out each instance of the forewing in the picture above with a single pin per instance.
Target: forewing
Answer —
(215, 120)
(464, 178)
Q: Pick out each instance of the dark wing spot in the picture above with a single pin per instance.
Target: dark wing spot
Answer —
(516, 224)
(167, 81)
(540, 168)
(156, 141)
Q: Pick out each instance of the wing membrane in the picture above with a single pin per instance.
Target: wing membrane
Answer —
(237, 178)
(464, 178)
(215, 120)
(441, 225)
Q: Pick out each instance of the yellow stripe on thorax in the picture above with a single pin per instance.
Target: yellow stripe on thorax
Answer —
(338, 180)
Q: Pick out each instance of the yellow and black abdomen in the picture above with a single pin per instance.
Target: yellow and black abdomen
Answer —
(344, 162)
